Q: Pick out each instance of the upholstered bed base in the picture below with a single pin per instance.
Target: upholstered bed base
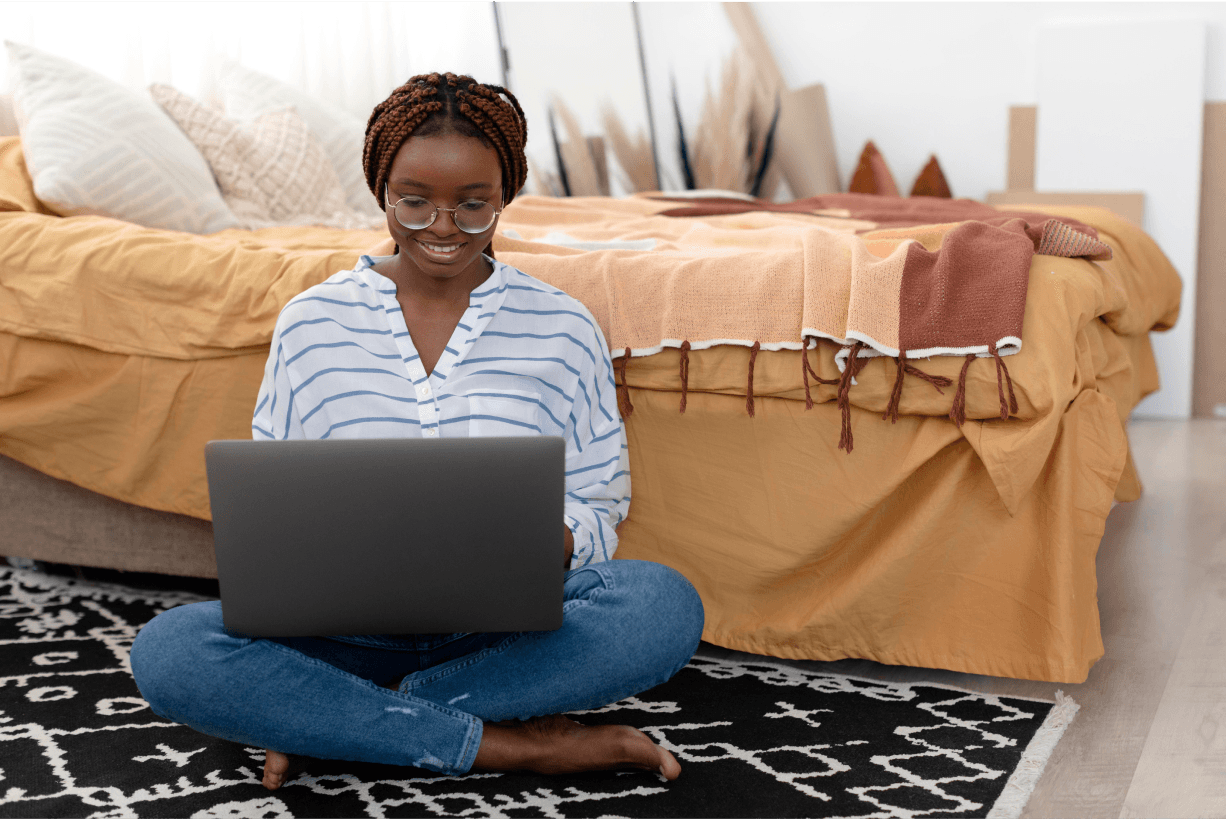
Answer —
(48, 519)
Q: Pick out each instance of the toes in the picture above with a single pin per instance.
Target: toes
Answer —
(670, 768)
(276, 768)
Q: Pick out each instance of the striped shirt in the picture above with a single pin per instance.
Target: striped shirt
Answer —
(525, 359)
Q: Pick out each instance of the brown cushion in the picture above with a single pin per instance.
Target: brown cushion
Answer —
(872, 175)
(931, 182)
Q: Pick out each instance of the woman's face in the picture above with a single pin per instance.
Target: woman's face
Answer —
(446, 169)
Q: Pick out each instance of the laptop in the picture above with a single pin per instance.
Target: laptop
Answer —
(388, 536)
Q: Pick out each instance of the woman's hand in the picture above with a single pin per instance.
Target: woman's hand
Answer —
(568, 540)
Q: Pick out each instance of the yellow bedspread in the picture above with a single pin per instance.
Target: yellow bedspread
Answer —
(123, 350)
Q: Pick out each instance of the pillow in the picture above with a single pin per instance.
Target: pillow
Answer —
(272, 171)
(247, 94)
(931, 181)
(872, 175)
(93, 146)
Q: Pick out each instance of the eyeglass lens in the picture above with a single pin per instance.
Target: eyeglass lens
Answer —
(472, 216)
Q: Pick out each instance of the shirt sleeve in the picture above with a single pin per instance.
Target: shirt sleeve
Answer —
(597, 462)
(276, 417)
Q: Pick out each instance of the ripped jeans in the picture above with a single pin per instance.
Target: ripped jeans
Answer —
(628, 625)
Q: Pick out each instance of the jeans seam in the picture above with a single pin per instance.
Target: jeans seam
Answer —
(474, 729)
(369, 684)
(463, 661)
(605, 578)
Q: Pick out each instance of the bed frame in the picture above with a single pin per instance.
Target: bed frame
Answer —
(47, 519)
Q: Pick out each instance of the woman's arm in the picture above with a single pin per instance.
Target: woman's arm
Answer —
(597, 463)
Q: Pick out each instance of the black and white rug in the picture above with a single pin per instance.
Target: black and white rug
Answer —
(753, 739)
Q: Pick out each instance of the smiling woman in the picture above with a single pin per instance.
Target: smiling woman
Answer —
(441, 340)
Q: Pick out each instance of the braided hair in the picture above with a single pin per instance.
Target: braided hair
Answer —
(437, 103)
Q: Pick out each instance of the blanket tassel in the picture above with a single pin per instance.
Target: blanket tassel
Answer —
(937, 381)
(685, 372)
(1002, 376)
(623, 389)
(806, 370)
(891, 409)
(957, 413)
(849, 372)
(753, 354)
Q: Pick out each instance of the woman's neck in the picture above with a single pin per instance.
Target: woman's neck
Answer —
(413, 283)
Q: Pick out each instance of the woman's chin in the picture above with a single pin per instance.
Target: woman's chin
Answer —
(446, 266)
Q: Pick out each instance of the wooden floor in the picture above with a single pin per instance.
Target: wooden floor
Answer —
(1150, 738)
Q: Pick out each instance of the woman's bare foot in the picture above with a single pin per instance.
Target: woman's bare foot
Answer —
(554, 744)
(551, 744)
(276, 769)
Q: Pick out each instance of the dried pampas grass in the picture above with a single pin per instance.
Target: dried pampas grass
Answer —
(542, 182)
(580, 169)
(636, 165)
(718, 154)
(733, 144)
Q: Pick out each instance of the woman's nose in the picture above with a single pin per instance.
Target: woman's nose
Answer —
(445, 220)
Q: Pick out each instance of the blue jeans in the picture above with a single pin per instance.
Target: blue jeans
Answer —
(628, 625)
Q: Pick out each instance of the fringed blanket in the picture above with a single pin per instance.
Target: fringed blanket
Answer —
(903, 278)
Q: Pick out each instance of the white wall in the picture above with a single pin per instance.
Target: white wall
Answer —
(1140, 129)
(351, 53)
(916, 78)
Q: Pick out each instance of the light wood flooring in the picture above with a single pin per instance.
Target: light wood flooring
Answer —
(1150, 738)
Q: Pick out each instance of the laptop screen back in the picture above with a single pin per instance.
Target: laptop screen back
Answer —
(388, 536)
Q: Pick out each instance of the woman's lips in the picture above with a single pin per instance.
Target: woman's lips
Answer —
(442, 252)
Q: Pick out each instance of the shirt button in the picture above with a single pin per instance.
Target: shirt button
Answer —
(430, 432)
(424, 389)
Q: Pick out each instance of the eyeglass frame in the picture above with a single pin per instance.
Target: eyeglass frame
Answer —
(387, 195)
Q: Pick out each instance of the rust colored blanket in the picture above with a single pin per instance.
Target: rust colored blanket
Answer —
(123, 350)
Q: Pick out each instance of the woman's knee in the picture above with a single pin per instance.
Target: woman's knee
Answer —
(167, 652)
(668, 609)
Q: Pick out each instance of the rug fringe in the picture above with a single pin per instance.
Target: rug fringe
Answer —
(1026, 775)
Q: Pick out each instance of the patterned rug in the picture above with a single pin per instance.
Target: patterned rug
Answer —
(753, 739)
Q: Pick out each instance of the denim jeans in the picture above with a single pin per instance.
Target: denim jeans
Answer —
(628, 625)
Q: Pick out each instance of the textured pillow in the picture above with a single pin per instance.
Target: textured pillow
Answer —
(247, 94)
(271, 171)
(93, 146)
(872, 175)
(931, 181)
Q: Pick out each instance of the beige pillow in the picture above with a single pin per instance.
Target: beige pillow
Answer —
(248, 94)
(271, 171)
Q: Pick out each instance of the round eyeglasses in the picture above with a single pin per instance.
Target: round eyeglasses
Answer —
(415, 213)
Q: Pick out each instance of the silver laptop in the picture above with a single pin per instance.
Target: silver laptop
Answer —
(388, 536)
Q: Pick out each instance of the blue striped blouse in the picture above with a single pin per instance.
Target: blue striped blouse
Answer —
(525, 359)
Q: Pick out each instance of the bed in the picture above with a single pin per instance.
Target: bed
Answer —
(812, 526)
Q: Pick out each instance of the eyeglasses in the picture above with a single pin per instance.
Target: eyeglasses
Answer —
(415, 213)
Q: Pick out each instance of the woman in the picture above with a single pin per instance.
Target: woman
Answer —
(440, 340)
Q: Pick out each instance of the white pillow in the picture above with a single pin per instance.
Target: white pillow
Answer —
(272, 171)
(248, 94)
(96, 147)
